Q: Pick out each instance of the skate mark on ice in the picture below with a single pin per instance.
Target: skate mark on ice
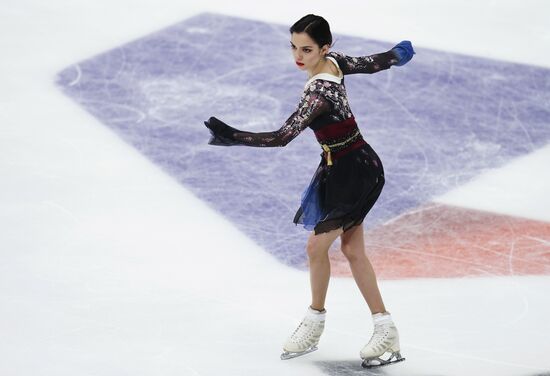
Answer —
(353, 367)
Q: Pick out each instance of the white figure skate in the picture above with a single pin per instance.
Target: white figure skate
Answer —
(383, 348)
(306, 336)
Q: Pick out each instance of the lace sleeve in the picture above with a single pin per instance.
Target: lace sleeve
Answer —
(311, 105)
(364, 64)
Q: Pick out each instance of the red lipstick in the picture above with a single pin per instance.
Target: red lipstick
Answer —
(299, 64)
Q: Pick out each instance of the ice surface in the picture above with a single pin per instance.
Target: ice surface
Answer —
(110, 266)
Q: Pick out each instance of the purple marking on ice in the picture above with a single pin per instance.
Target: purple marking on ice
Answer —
(436, 122)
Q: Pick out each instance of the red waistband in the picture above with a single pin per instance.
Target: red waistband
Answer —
(335, 130)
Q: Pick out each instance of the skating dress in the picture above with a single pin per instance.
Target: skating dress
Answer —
(350, 176)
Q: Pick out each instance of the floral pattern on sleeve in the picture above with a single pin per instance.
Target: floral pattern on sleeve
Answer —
(364, 64)
(312, 104)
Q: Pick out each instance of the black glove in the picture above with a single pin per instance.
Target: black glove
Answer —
(222, 134)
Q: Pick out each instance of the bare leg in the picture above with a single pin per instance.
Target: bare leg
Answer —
(353, 247)
(319, 265)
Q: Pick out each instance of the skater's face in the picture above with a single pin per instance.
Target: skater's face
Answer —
(307, 54)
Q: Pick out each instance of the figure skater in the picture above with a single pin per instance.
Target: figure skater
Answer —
(344, 187)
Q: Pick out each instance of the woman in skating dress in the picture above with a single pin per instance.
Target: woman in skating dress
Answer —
(344, 187)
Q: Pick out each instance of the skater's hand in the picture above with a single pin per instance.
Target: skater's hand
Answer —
(222, 134)
(403, 51)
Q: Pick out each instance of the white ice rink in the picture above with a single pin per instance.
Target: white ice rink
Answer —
(108, 266)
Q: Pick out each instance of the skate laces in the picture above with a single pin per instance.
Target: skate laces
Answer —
(381, 332)
(304, 330)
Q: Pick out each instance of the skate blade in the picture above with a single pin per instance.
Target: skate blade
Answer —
(379, 362)
(289, 354)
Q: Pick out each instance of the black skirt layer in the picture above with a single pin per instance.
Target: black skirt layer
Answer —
(342, 194)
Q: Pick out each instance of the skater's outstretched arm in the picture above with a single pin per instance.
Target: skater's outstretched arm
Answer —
(311, 105)
(399, 55)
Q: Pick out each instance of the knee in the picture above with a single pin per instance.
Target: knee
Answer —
(352, 254)
(314, 249)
